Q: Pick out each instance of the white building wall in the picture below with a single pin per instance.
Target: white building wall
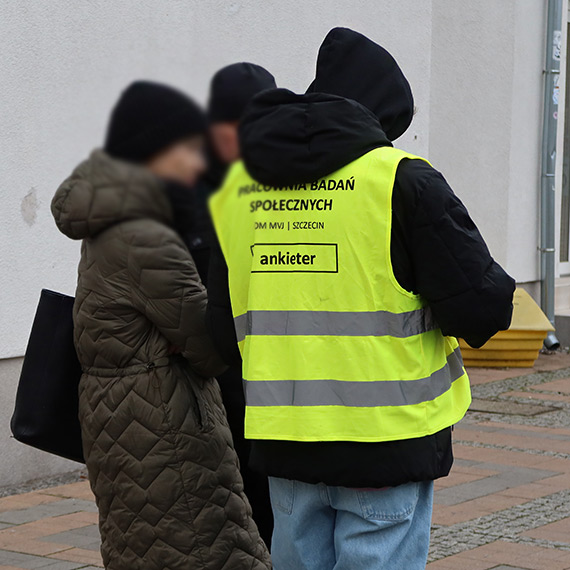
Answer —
(62, 66)
(523, 226)
(476, 73)
(471, 109)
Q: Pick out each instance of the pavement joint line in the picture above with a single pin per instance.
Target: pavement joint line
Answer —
(31, 561)
(545, 452)
(507, 524)
(510, 431)
(507, 567)
(539, 542)
(44, 485)
(47, 516)
(41, 513)
(498, 405)
(558, 404)
(497, 387)
(553, 419)
(491, 485)
(545, 392)
(489, 466)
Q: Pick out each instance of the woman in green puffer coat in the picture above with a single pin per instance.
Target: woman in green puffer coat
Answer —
(156, 441)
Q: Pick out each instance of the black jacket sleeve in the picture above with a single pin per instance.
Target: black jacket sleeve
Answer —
(219, 315)
(438, 252)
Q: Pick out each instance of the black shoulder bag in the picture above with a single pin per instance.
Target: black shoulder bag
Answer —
(47, 401)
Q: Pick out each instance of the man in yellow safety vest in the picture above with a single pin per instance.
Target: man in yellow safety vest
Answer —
(350, 269)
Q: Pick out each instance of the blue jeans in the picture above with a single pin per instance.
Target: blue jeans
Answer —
(324, 528)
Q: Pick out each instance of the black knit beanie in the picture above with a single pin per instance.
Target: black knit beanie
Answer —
(233, 87)
(149, 117)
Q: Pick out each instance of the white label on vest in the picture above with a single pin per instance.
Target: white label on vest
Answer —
(294, 258)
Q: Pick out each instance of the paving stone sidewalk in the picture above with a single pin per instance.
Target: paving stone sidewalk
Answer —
(506, 505)
(53, 528)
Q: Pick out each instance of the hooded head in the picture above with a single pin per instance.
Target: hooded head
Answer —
(359, 101)
(352, 66)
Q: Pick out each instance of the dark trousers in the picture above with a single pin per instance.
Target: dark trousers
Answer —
(256, 485)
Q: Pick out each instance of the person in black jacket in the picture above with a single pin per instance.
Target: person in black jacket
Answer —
(436, 251)
(231, 90)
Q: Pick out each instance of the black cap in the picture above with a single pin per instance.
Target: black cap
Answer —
(353, 66)
(233, 87)
(149, 117)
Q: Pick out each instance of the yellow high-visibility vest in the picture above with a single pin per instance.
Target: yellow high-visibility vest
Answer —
(333, 348)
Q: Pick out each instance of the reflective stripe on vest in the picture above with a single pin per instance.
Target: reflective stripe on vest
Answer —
(333, 348)
(334, 323)
(355, 394)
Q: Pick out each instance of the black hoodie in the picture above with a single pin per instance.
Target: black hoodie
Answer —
(436, 248)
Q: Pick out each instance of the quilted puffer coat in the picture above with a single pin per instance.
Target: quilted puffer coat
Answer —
(157, 445)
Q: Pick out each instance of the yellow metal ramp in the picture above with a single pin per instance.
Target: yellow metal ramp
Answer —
(517, 347)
